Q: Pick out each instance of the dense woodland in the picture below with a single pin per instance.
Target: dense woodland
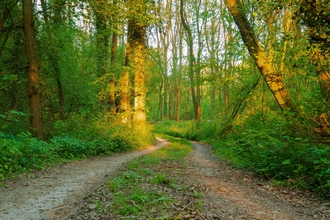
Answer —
(91, 77)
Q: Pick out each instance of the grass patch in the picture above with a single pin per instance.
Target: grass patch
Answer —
(148, 188)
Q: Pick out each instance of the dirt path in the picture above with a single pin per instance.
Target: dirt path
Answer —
(228, 192)
(234, 194)
(51, 193)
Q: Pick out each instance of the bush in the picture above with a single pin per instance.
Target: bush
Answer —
(189, 129)
(267, 147)
(290, 160)
(75, 138)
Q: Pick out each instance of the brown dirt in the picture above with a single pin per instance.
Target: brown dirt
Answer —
(52, 194)
(237, 194)
(67, 191)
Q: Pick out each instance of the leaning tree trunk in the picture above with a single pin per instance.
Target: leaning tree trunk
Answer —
(273, 79)
(33, 69)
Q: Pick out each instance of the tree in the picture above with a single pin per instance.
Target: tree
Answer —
(139, 68)
(52, 53)
(192, 62)
(138, 63)
(125, 104)
(315, 15)
(114, 43)
(164, 31)
(273, 78)
(32, 69)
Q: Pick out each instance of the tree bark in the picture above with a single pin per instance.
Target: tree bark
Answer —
(178, 88)
(124, 103)
(320, 62)
(102, 39)
(191, 58)
(112, 96)
(273, 79)
(324, 79)
(5, 15)
(114, 43)
(54, 57)
(188, 104)
(33, 70)
(160, 103)
(170, 101)
(139, 67)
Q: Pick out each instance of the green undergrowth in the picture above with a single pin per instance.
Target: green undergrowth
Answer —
(190, 130)
(269, 148)
(285, 160)
(73, 139)
(137, 190)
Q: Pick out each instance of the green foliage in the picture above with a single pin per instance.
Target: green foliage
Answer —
(173, 128)
(118, 183)
(178, 148)
(75, 138)
(133, 191)
(188, 129)
(270, 149)
(138, 202)
(150, 160)
(294, 161)
(11, 121)
(160, 178)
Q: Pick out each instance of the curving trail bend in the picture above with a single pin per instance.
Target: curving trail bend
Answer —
(53, 193)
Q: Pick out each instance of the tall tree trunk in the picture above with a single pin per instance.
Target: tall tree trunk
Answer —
(60, 97)
(198, 61)
(164, 32)
(4, 43)
(165, 94)
(227, 65)
(170, 101)
(124, 104)
(191, 58)
(161, 86)
(178, 102)
(273, 79)
(54, 56)
(33, 69)
(212, 30)
(139, 68)
(102, 39)
(114, 43)
(188, 103)
(3, 19)
(178, 88)
(160, 103)
(112, 95)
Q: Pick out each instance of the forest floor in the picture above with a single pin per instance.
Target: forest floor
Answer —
(212, 190)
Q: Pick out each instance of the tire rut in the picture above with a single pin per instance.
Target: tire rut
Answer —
(53, 193)
(237, 194)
